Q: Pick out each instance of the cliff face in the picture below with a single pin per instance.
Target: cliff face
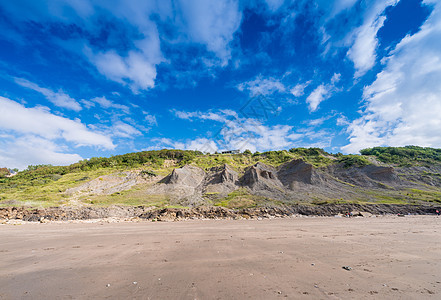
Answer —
(237, 181)
(293, 182)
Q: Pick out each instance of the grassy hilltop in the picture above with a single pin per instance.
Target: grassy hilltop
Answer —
(46, 185)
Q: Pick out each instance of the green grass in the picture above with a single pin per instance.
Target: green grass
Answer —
(44, 193)
(128, 198)
(426, 196)
(354, 161)
(333, 201)
(241, 198)
(405, 156)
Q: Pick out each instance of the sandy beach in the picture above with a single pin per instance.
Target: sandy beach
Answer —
(388, 258)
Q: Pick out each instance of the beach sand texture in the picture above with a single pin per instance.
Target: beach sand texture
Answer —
(389, 258)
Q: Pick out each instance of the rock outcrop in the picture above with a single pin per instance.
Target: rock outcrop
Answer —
(260, 176)
(220, 181)
(187, 175)
(297, 172)
(203, 212)
(183, 186)
(368, 176)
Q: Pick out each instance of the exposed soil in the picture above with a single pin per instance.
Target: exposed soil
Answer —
(109, 184)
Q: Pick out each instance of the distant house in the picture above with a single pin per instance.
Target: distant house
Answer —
(231, 152)
(11, 173)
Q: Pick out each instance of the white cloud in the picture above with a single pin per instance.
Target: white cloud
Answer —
(335, 78)
(59, 98)
(238, 133)
(363, 50)
(212, 23)
(31, 150)
(105, 103)
(403, 104)
(135, 69)
(222, 116)
(184, 114)
(150, 119)
(39, 122)
(299, 89)
(262, 86)
(321, 93)
(319, 121)
(121, 129)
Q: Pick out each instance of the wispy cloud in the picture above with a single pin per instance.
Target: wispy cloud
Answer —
(150, 119)
(59, 98)
(403, 104)
(105, 103)
(363, 49)
(247, 133)
(121, 129)
(321, 93)
(262, 86)
(299, 89)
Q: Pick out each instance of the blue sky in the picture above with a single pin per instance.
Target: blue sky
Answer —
(91, 78)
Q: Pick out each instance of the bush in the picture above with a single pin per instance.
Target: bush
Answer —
(354, 161)
(247, 152)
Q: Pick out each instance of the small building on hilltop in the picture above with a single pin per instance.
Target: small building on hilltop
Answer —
(231, 152)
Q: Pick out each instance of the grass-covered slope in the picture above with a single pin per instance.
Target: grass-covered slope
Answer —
(46, 185)
(405, 156)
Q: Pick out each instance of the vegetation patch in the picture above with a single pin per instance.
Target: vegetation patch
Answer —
(134, 197)
(241, 198)
(405, 156)
(354, 161)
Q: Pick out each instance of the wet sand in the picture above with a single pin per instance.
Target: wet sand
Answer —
(391, 258)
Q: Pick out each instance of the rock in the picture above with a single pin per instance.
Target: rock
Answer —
(296, 171)
(203, 212)
(187, 175)
(259, 176)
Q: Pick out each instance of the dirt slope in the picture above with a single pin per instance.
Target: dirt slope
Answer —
(292, 182)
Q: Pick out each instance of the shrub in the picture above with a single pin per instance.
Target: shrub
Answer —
(354, 161)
